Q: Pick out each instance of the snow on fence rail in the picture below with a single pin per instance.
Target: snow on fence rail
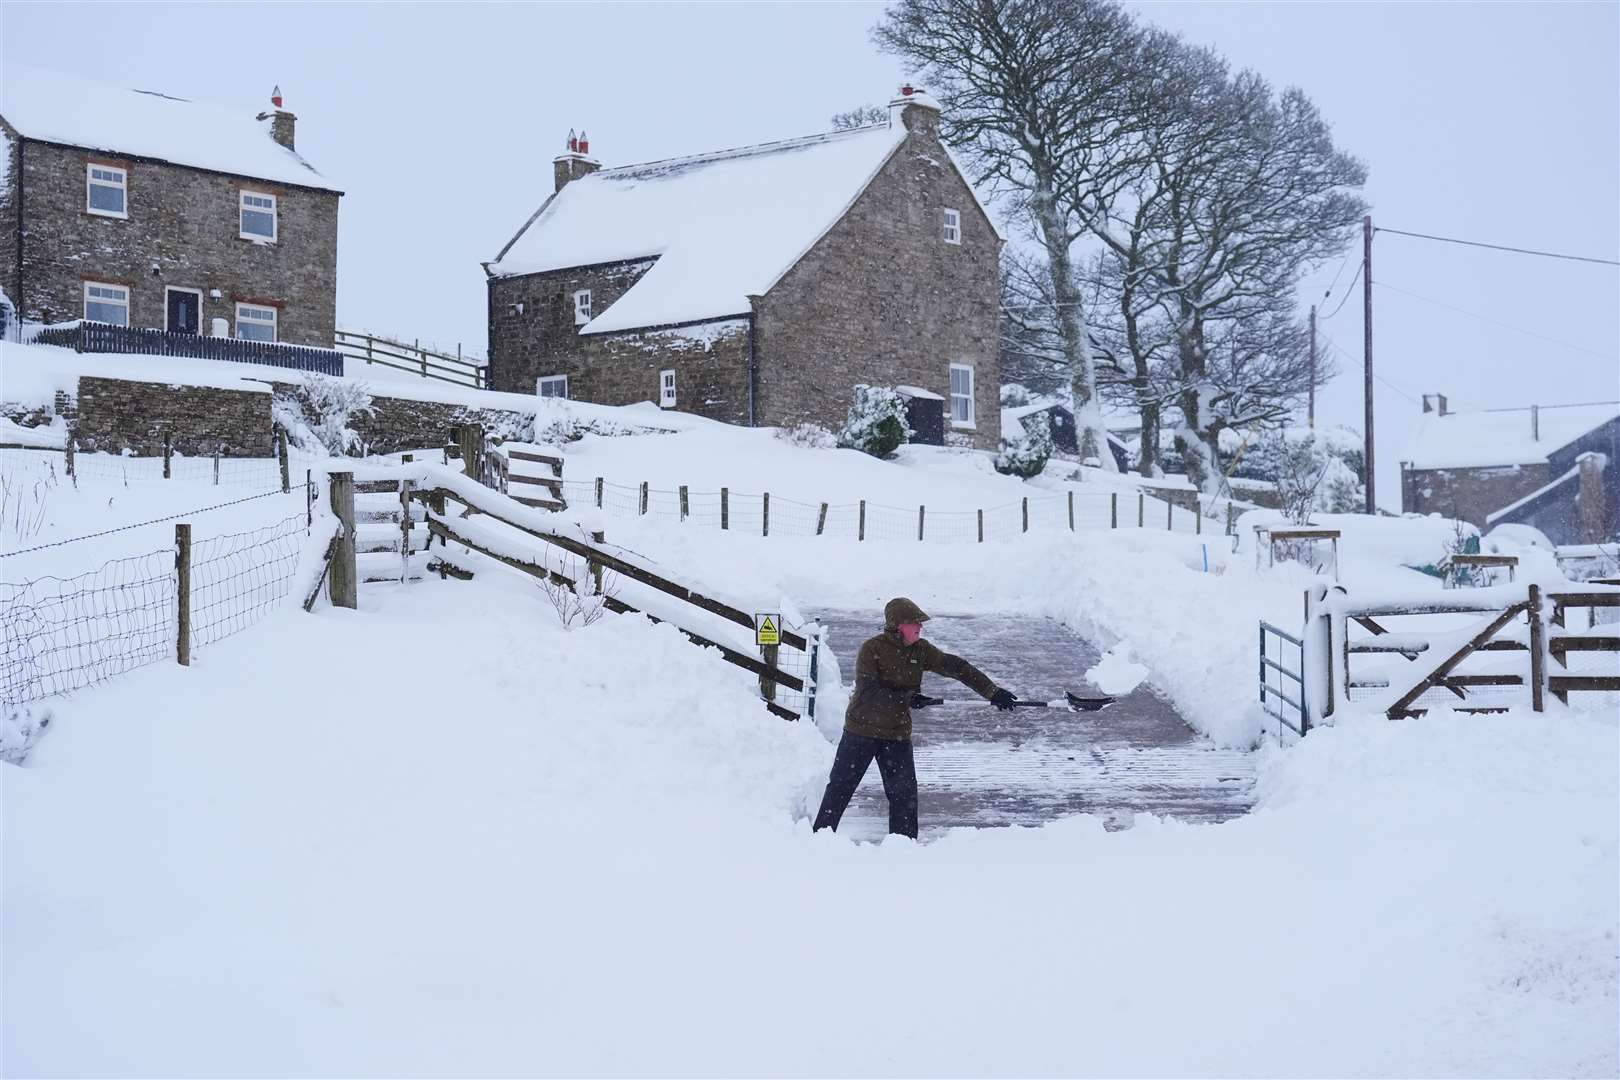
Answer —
(764, 514)
(64, 634)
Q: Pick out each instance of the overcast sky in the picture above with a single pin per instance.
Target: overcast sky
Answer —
(1492, 122)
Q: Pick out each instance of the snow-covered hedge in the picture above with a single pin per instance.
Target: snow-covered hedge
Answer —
(317, 414)
(1027, 456)
(876, 422)
(808, 437)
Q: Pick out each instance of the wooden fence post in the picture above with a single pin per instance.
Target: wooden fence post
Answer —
(1231, 519)
(767, 685)
(981, 525)
(1071, 510)
(821, 519)
(685, 505)
(1169, 515)
(342, 579)
(921, 511)
(1538, 660)
(168, 453)
(597, 537)
(471, 438)
(405, 487)
(1113, 510)
(599, 493)
(1141, 509)
(309, 497)
(216, 466)
(643, 510)
(860, 531)
(1198, 520)
(182, 592)
(765, 514)
(68, 448)
(283, 457)
(1026, 513)
(725, 508)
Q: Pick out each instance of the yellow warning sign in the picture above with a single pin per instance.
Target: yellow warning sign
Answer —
(768, 629)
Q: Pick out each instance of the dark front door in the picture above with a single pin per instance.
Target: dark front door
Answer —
(184, 316)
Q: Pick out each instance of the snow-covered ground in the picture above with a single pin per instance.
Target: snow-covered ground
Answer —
(441, 835)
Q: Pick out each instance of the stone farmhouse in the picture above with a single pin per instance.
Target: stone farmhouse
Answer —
(138, 209)
(758, 285)
(1554, 467)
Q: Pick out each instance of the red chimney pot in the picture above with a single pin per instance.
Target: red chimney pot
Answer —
(584, 143)
(275, 97)
(907, 90)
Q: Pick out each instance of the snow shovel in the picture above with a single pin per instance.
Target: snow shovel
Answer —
(1071, 701)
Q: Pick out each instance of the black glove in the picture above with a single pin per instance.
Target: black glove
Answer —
(922, 701)
(1002, 699)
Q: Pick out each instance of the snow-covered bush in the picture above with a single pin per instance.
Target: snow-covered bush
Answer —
(1026, 457)
(1014, 395)
(808, 437)
(877, 421)
(583, 602)
(317, 414)
(1312, 473)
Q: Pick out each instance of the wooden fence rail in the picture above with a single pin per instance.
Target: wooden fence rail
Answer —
(414, 358)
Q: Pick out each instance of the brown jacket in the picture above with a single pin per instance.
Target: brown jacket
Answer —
(888, 672)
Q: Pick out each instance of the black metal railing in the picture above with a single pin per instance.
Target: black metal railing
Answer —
(96, 337)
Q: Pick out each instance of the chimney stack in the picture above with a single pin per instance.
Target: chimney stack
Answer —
(281, 122)
(916, 110)
(575, 162)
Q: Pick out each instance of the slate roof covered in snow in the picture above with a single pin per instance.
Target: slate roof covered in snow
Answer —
(724, 225)
(52, 107)
(1483, 439)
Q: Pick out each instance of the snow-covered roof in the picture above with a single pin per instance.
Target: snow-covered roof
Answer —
(1480, 439)
(919, 392)
(52, 107)
(724, 225)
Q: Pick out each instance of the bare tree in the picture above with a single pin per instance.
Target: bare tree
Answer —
(1039, 95)
(859, 117)
(1240, 190)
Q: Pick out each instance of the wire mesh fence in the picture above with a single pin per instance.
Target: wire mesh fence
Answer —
(64, 634)
(761, 514)
(262, 473)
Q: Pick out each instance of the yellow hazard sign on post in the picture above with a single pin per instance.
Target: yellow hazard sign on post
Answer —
(768, 629)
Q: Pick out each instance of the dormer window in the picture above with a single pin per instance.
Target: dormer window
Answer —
(952, 231)
(258, 219)
(582, 307)
(106, 191)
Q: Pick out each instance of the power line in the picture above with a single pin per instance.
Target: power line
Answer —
(1493, 322)
(1347, 290)
(1498, 247)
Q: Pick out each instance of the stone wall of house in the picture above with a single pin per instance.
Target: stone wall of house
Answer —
(542, 339)
(710, 362)
(1469, 493)
(882, 298)
(116, 415)
(8, 213)
(181, 232)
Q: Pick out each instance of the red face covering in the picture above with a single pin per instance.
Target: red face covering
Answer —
(910, 632)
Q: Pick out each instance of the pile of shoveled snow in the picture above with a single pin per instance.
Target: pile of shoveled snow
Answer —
(442, 836)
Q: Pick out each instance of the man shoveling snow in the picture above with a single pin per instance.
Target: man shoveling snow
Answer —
(877, 724)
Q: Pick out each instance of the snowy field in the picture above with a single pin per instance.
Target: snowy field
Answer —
(441, 835)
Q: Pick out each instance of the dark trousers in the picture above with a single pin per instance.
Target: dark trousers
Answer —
(899, 772)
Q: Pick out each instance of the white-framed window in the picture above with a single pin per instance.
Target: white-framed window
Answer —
(258, 216)
(106, 303)
(961, 395)
(952, 231)
(255, 322)
(582, 307)
(666, 388)
(106, 191)
(552, 386)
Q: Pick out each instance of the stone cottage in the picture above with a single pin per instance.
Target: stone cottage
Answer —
(139, 209)
(758, 285)
(1555, 467)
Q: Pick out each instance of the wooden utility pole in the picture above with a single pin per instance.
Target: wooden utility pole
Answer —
(1367, 389)
(1310, 399)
